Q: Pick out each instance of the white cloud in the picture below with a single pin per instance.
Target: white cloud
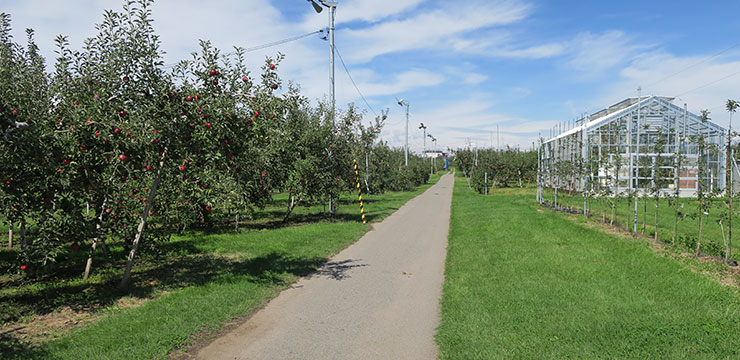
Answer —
(595, 54)
(474, 78)
(693, 78)
(534, 52)
(430, 29)
(360, 10)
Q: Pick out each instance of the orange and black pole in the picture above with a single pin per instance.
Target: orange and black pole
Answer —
(359, 190)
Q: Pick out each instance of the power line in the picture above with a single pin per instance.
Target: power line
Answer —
(279, 42)
(353, 81)
(695, 64)
(709, 83)
(264, 46)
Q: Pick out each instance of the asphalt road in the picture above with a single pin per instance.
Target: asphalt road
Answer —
(377, 299)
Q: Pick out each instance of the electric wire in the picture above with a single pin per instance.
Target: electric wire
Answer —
(353, 81)
(695, 64)
(709, 83)
(264, 46)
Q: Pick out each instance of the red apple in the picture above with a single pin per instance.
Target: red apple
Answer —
(245, 79)
(151, 213)
(182, 168)
(122, 157)
(215, 82)
(208, 125)
(122, 112)
(148, 168)
(15, 112)
(188, 98)
(275, 86)
(107, 211)
(96, 96)
(197, 97)
(75, 103)
(213, 72)
(7, 181)
(23, 267)
(208, 207)
(117, 130)
(272, 66)
(75, 247)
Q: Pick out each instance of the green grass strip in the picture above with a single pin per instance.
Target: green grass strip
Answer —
(525, 283)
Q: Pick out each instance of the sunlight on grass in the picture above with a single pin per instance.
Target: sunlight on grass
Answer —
(525, 283)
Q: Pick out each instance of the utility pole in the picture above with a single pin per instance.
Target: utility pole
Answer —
(425, 142)
(403, 102)
(332, 5)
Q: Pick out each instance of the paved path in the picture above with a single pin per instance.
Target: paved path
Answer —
(377, 299)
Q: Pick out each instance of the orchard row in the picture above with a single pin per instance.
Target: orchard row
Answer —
(489, 168)
(111, 145)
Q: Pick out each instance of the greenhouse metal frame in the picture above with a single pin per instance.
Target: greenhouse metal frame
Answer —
(621, 148)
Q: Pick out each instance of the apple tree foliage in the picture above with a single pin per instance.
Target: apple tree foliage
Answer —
(113, 145)
(504, 168)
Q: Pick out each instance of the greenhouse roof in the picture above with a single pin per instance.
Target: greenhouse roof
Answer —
(621, 108)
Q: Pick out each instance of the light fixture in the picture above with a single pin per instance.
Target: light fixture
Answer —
(316, 6)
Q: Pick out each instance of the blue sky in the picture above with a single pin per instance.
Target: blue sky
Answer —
(465, 67)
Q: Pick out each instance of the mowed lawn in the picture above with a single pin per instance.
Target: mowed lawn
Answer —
(523, 282)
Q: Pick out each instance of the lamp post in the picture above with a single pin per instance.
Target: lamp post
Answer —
(332, 5)
(425, 137)
(431, 159)
(402, 103)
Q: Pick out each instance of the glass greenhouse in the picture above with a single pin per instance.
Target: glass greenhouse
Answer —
(639, 145)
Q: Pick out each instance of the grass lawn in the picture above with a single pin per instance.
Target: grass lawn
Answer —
(203, 280)
(688, 227)
(526, 282)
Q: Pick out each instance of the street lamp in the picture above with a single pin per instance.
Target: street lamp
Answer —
(402, 103)
(332, 5)
(425, 137)
(431, 159)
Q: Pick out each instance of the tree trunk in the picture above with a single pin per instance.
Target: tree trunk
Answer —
(724, 238)
(614, 211)
(10, 236)
(655, 214)
(104, 247)
(675, 225)
(728, 243)
(144, 216)
(644, 215)
(98, 227)
(701, 223)
(603, 210)
(291, 206)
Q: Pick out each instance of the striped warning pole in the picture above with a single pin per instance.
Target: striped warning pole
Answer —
(359, 190)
